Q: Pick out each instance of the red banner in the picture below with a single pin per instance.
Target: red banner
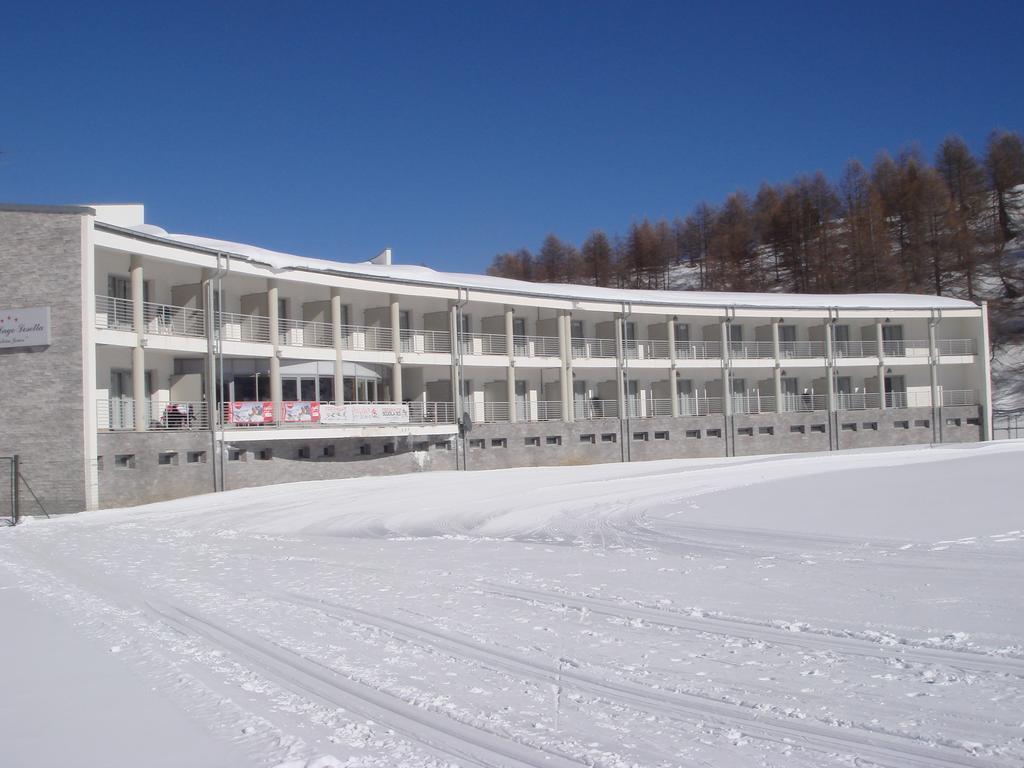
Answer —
(301, 411)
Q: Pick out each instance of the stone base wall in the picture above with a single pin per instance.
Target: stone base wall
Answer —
(497, 446)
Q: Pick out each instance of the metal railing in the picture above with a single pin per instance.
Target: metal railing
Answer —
(753, 402)
(698, 350)
(803, 402)
(646, 350)
(858, 401)
(238, 327)
(751, 349)
(905, 348)
(118, 414)
(366, 338)
(593, 348)
(168, 320)
(855, 349)
(417, 341)
(549, 410)
(801, 349)
(536, 346)
(114, 314)
(954, 397)
(485, 344)
(487, 412)
(596, 409)
(431, 412)
(305, 333)
(950, 347)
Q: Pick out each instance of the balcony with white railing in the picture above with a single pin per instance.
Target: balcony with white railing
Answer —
(114, 314)
(855, 349)
(955, 347)
(536, 346)
(596, 409)
(740, 350)
(549, 410)
(858, 401)
(905, 348)
(648, 349)
(248, 328)
(305, 333)
(801, 349)
(803, 402)
(955, 397)
(487, 412)
(698, 350)
(366, 338)
(752, 403)
(584, 349)
(118, 414)
(485, 344)
(168, 320)
(426, 342)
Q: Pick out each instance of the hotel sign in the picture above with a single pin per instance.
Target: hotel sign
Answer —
(28, 327)
(364, 413)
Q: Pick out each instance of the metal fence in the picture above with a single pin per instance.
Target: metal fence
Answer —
(17, 497)
(1008, 426)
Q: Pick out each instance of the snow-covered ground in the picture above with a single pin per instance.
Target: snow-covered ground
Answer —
(854, 609)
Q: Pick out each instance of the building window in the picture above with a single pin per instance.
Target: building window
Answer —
(818, 428)
(264, 454)
(713, 433)
(124, 461)
(532, 441)
(553, 439)
(196, 457)
(330, 450)
(766, 430)
(901, 424)
(499, 442)
(870, 425)
(443, 445)
(389, 447)
(975, 422)
(922, 423)
(588, 439)
(364, 449)
(953, 422)
(661, 435)
(478, 442)
(167, 459)
(745, 431)
(236, 454)
(609, 437)
(693, 434)
(304, 452)
(849, 427)
(640, 436)
(797, 429)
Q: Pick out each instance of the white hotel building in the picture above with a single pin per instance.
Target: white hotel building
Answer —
(172, 365)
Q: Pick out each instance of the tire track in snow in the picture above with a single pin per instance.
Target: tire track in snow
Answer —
(438, 733)
(980, 662)
(881, 748)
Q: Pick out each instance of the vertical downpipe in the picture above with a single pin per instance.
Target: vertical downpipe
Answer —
(933, 368)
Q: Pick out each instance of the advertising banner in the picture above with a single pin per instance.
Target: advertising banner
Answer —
(252, 413)
(29, 327)
(364, 413)
(303, 411)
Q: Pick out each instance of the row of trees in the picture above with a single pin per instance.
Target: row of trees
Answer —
(904, 225)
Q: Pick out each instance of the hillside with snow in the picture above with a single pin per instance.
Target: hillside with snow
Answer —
(859, 608)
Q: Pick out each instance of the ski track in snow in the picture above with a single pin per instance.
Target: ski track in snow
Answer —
(598, 616)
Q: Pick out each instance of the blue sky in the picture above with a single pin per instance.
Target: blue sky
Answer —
(452, 131)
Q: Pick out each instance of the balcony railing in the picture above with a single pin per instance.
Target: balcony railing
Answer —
(596, 409)
(583, 349)
(698, 350)
(857, 401)
(801, 349)
(954, 397)
(803, 402)
(487, 412)
(305, 333)
(168, 320)
(753, 402)
(431, 412)
(485, 344)
(739, 350)
(855, 349)
(238, 327)
(549, 410)
(114, 314)
(416, 341)
(118, 414)
(905, 348)
(950, 347)
(536, 346)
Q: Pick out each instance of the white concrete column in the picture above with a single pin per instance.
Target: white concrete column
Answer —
(830, 368)
(138, 351)
(985, 390)
(396, 345)
(510, 373)
(565, 384)
(777, 354)
(620, 367)
(881, 364)
(339, 362)
(570, 408)
(933, 370)
(726, 378)
(673, 384)
(275, 343)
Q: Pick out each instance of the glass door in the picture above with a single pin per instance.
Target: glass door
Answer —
(895, 391)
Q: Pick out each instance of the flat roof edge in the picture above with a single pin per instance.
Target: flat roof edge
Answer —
(83, 210)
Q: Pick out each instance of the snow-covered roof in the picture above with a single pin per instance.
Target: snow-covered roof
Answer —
(285, 262)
